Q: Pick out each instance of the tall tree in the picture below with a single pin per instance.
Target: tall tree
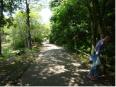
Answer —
(29, 45)
(1, 23)
(98, 15)
(92, 21)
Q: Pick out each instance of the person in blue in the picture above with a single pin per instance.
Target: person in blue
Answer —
(94, 72)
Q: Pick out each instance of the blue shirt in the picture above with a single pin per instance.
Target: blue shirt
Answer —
(99, 46)
(95, 57)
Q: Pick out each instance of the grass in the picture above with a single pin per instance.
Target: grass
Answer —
(83, 59)
(14, 63)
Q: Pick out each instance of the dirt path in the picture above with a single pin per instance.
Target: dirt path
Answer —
(55, 67)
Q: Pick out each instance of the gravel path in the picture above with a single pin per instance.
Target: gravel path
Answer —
(55, 67)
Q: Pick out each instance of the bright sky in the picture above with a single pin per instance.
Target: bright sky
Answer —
(45, 12)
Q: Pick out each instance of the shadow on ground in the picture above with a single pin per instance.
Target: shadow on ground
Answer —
(55, 67)
(9, 73)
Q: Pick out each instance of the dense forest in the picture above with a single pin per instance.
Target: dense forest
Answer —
(79, 24)
(75, 25)
(20, 25)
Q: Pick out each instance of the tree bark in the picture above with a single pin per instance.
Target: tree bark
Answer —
(1, 24)
(92, 23)
(29, 45)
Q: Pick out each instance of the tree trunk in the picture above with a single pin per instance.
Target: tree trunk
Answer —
(1, 24)
(99, 18)
(92, 23)
(0, 43)
(29, 45)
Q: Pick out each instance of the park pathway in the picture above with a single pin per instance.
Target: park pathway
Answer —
(55, 67)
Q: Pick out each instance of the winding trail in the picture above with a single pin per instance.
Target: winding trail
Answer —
(55, 67)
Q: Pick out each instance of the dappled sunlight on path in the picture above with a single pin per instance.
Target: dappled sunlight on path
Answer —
(55, 67)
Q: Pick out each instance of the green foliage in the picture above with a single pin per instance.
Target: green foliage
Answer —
(6, 53)
(16, 33)
(19, 32)
(78, 24)
(14, 28)
(69, 21)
